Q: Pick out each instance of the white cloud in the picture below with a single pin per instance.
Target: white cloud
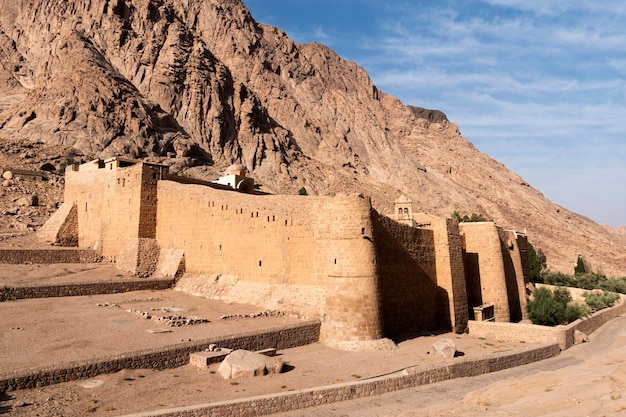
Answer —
(538, 85)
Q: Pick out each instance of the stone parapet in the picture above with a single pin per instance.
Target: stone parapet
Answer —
(280, 337)
(47, 256)
(79, 289)
(562, 335)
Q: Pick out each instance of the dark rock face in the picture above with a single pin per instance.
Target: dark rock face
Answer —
(200, 84)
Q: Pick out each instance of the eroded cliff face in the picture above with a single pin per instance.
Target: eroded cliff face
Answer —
(199, 84)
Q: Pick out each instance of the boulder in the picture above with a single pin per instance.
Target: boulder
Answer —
(28, 201)
(8, 183)
(243, 363)
(580, 337)
(444, 347)
(7, 175)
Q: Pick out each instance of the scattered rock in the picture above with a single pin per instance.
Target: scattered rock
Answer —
(93, 383)
(266, 313)
(7, 175)
(243, 363)
(444, 347)
(8, 183)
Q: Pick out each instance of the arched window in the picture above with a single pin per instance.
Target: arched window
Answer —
(406, 213)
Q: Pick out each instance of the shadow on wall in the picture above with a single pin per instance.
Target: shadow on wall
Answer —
(510, 279)
(472, 282)
(411, 301)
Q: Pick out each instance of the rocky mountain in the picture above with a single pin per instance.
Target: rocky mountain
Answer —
(199, 84)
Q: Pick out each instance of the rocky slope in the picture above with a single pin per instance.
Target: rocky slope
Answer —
(200, 84)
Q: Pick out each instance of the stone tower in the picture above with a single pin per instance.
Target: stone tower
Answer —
(404, 210)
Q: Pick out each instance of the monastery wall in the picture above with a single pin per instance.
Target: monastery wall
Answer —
(450, 270)
(484, 249)
(86, 189)
(496, 262)
(296, 240)
(410, 297)
(121, 204)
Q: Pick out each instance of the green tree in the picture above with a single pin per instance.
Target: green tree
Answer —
(536, 263)
(580, 266)
(302, 191)
(468, 219)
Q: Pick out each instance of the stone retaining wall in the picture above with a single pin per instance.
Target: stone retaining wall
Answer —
(78, 289)
(563, 335)
(47, 256)
(410, 377)
(282, 337)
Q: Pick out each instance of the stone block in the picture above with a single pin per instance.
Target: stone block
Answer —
(205, 358)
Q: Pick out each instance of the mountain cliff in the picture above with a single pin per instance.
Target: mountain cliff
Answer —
(199, 84)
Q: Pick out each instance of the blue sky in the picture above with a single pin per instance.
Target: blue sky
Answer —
(538, 85)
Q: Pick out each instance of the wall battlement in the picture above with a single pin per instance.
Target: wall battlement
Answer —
(378, 278)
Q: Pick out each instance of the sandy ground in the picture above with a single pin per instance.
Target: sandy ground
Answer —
(46, 331)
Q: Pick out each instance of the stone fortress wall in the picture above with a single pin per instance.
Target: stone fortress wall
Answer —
(368, 276)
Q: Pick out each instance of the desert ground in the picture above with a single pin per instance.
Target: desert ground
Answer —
(588, 379)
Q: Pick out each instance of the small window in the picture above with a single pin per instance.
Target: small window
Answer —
(260, 263)
(154, 175)
(362, 230)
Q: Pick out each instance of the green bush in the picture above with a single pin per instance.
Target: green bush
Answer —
(574, 311)
(587, 281)
(559, 278)
(614, 285)
(562, 296)
(551, 308)
(598, 301)
(544, 308)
